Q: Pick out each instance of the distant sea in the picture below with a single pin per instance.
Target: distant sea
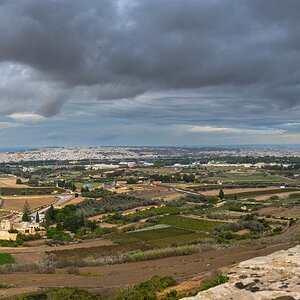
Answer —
(13, 149)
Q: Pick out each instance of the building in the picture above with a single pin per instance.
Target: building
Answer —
(10, 230)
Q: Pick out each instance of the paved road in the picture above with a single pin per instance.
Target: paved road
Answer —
(186, 192)
(60, 200)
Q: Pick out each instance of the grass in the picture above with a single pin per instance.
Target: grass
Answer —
(168, 236)
(157, 211)
(6, 258)
(220, 279)
(150, 235)
(98, 258)
(189, 223)
(7, 191)
(137, 255)
(143, 290)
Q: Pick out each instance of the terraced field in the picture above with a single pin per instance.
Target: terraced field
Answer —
(189, 223)
(168, 236)
(259, 193)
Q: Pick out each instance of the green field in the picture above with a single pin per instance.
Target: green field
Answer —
(6, 258)
(158, 211)
(259, 193)
(167, 236)
(6, 191)
(189, 223)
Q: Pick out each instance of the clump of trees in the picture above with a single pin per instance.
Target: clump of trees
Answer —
(112, 203)
(95, 193)
(66, 185)
(200, 198)
(254, 224)
(68, 218)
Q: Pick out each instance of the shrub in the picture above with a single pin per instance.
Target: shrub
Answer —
(145, 290)
(220, 279)
(6, 258)
(72, 270)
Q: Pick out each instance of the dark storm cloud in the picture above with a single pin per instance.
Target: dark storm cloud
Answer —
(249, 51)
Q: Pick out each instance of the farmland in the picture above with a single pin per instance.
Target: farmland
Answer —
(164, 237)
(9, 191)
(17, 203)
(189, 223)
(6, 258)
(250, 194)
(144, 217)
(11, 183)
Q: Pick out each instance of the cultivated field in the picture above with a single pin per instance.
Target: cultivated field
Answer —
(254, 194)
(164, 237)
(192, 268)
(17, 203)
(189, 223)
(11, 182)
(291, 212)
(235, 191)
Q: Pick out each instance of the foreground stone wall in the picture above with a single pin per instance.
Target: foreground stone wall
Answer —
(276, 276)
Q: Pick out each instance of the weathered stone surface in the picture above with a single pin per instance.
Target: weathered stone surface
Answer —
(272, 277)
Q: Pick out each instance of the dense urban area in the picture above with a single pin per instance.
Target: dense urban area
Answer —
(140, 222)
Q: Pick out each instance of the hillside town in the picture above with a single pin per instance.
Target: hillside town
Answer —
(140, 153)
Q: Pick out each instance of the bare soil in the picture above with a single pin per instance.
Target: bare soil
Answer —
(291, 212)
(233, 191)
(17, 203)
(11, 182)
(182, 268)
(43, 249)
(74, 201)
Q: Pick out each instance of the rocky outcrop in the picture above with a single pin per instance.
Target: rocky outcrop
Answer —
(276, 276)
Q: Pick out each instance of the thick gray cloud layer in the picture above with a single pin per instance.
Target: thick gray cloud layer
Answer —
(222, 63)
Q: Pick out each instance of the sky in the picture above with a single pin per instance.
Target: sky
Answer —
(141, 72)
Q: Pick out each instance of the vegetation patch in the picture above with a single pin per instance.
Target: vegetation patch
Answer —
(112, 203)
(170, 233)
(6, 258)
(189, 223)
(146, 290)
(220, 279)
(259, 193)
(30, 191)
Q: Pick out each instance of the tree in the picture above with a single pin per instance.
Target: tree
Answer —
(37, 217)
(26, 212)
(50, 216)
(221, 194)
(18, 181)
(51, 212)
(72, 223)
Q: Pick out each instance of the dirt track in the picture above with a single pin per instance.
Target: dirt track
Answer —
(43, 249)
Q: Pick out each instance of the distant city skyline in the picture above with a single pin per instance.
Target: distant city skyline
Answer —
(159, 72)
